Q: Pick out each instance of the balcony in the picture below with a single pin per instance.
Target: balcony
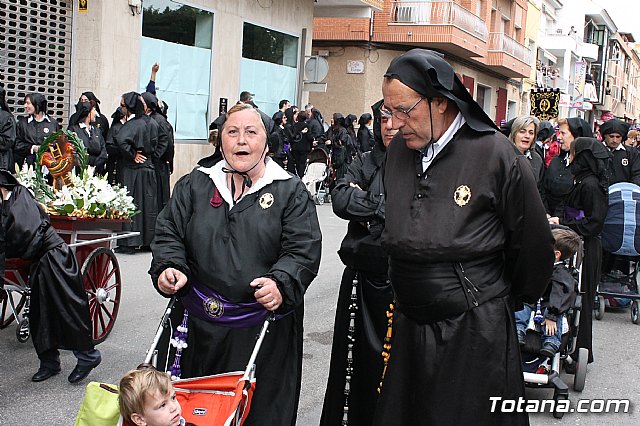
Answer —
(442, 25)
(507, 56)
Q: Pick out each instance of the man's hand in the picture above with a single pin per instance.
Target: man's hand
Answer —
(267, 293)
(171, 280)
(139, 158)
(551, 327)
(155, 68)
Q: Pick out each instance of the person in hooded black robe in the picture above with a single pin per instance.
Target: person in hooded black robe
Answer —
(90, 136)
(222, 241)
(366, 140)
(33, 129)
(356, 362)
(59, 309)
(545, 133)
(337, 144)
(558, 180)
(137, 140)
(7, 133)
(113, 152)
(625, 164)
(585, 211)
(467, 238)
(163, 155)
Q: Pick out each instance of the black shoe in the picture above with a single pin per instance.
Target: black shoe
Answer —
(548, 350)
(82, 371)
(522, 337)
(43, 374)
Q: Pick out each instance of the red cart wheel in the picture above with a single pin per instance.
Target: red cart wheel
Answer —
(101, 279)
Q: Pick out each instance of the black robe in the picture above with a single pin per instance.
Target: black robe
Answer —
(556, 185)
(29, 134)
(137, 135)
(113, 152)
(7, 140)
(366, 263)
(588, 196)
(462, 242)
(95, 144)
(625, 165)
(225, 250)
(59, 310)
(163, 158)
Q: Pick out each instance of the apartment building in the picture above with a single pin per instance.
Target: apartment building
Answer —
(484, 40)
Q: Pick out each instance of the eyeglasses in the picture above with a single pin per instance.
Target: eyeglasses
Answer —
(400, 114)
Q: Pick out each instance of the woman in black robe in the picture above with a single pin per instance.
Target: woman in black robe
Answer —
(113, 152)
(242, 233)
(366, 141)
(91, 137)
(33, 129)
(356, 361)
(585, 211)
(59, 310)
(558, 180)
(137, 142)
(7, 133)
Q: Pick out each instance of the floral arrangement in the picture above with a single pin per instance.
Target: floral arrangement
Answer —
(87, 196)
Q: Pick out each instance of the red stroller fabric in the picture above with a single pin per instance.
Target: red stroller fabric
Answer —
(218, 400)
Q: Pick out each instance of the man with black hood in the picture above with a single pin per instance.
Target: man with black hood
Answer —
(625, 166)
(467, 237)
(163, 155)
(137, 142)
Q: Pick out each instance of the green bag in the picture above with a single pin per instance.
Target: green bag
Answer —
(100, 406)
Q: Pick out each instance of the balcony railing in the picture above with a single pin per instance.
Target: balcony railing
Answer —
(500, 42)
(438, 13)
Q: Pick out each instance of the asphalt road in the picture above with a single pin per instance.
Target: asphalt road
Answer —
(615, 374)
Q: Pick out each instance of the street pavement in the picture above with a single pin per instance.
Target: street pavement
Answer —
(615, 374)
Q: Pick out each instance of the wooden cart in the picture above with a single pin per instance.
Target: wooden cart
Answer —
(93, 241)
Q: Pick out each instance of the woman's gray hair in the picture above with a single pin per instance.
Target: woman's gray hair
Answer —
(523, 122)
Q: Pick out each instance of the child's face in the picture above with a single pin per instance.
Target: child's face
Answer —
(161, 410)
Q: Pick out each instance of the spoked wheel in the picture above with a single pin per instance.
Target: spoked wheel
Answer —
(635, 306)
(581, 370)
(23, 331)
(101, 279)
(6, 314)
(599, 307)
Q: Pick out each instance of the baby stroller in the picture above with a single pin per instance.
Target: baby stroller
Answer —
(618, 287)
(317, 175)
(542, 372)
(220, 399)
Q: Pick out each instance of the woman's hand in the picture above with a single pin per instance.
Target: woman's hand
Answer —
(267, 293)
(171, 280)
(139, 158)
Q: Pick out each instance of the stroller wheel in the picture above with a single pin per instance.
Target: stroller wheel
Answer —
(22, 331)
(581, 370)
(320, 199)
(599, 308)
(635, 306)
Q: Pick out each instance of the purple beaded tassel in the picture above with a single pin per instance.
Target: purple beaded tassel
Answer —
(179, 341)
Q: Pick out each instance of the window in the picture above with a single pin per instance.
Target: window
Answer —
(269, 66)
(483, 97)
(178, 37)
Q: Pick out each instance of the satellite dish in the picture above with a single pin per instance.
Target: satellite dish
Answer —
(316, 69)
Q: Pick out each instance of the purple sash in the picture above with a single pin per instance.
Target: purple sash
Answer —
(573, 213)
(206, 304)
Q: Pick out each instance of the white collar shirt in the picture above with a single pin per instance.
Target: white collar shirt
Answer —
(434, 149)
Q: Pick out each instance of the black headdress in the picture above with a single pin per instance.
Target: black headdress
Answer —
(591, 157)
(615, 126)
(3, 100)
(82, 110)
(429, 74)
(151, 100)
(579, 128)
(545, 130)
(7, 179)
(133, 103)
(93, 98)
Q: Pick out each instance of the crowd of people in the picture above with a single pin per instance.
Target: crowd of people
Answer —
(448, 249)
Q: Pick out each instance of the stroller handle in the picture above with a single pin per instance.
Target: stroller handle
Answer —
(161, 327)
(250, 370)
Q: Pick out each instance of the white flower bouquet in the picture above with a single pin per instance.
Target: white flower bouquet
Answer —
(89, 196)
